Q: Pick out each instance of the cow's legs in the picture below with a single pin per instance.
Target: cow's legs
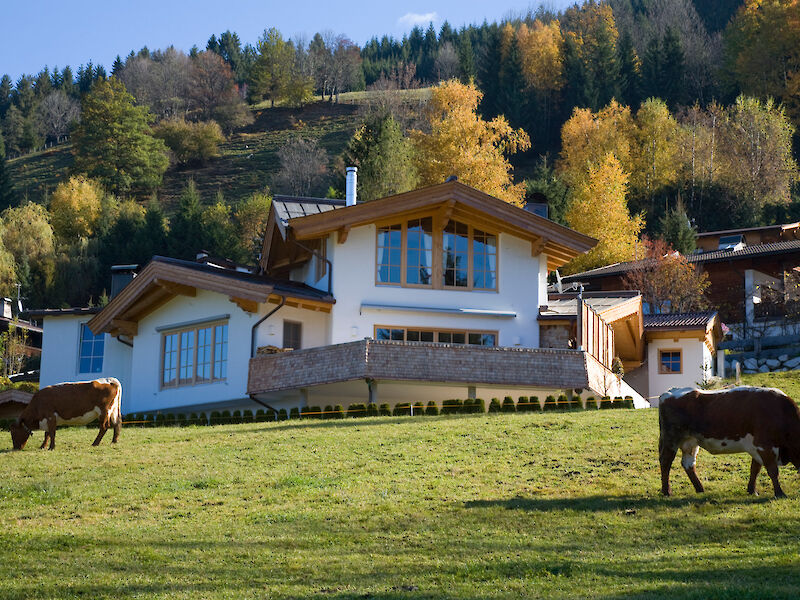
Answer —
(771, 464)
(44, 441)
(103, 429)
(755, 468)
(51, 431)
(117, 429)
(666, 454)
(689, 460)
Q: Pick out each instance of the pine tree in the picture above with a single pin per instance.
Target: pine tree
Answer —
(186, 231)
(7, 196)
(629, 71)
(673, 69)
(466, 57)
(677, 231)
(651, 69)
(117, 66)
(513, 101)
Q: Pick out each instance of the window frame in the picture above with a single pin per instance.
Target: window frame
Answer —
(437, 330)
(85, 327)
(214, 361)
(437, 253)
(661, 352)
(299, 325)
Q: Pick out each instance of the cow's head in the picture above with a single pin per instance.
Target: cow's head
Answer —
(20, 433)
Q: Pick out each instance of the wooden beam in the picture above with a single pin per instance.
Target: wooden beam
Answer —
(343, 233)
(250, 306)
(538, 246)
(177, 289)
(446, 213)
(127, 327)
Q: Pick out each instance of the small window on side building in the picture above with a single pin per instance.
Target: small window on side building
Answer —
(669, 362)
(292, 335)
(90, 351)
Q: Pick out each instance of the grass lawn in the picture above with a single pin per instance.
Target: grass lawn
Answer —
(474, 506)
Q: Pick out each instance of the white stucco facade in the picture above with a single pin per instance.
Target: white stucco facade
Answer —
(696, 364)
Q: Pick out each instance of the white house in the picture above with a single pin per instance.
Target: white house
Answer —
(432, 294)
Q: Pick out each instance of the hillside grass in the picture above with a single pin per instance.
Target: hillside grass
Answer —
(787, 381)
(476, 506)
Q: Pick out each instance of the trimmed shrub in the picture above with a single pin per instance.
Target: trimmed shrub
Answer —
(618, 403)
(508, 405)
(261, 416)
(419, 409)
(160, 420)
(338, 412)
(193, 418)
(479, 406)
(606, 402)
(628, 402)
(451, 407)
(226, 416)
(294, 413)
(432, 409)
(236, 417)
(282, 415)
(357, 410)
(315, 412)
(181, 419)
(495, 406)
(385, 411)
(372, 409)
(247, 416)
(550, 403)
(327, 412)
(591, 403)
(466, 406)
(562, 402)
(401, 410)
(304, 412)
(523, 404)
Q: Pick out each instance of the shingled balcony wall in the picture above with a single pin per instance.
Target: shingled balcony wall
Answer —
(418, 361)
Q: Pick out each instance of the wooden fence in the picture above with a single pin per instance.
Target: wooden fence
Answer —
(595, 335)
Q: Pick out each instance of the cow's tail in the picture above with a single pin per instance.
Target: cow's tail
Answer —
(115, 414)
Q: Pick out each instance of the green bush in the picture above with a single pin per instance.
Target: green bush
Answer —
(27, 386)
(193, 418)
(591, 403)
(247, 416)
(202, 419)
(282, 415)
(294, 413)
(180, 419)
(508, 405)
(618, 403)
(226, 416)
(261, 416)
(550, 403)
(190, 143)
(338, 412)
(160, 420)
(372, 409)
(451, 407)
(216, 417)
(628, 402)
(606, 402)
(479, 405)
(432, 409)
(419, 409)
(315, 412)
(304, 412)
(466, 406)
(562, 402)
(385, 411)
(403, 409)
(236, 417)
(523, 404)
(495, 406)
(357, 410)
(327, 412)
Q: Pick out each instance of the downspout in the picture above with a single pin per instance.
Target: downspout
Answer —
(121, 341)
(253, 348)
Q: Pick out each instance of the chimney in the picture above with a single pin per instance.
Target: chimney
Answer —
(350, 187)
(121, 275)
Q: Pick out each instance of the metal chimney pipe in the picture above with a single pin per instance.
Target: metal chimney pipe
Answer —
(350, 186)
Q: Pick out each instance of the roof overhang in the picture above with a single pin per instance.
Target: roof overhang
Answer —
(710, 333)
(159, 282)
(453, 200)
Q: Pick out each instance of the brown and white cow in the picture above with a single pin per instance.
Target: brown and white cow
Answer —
(764, 422)
(77, 403)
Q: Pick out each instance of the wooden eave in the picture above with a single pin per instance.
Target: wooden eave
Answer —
(160, 282)
(459, 202)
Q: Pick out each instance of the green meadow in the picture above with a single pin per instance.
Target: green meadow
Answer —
(545, 505)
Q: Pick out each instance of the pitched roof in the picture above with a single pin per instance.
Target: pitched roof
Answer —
(754, 251)
(565, 306)
(292, 207)
(164, 278)
(779, 227)
(692, 320)
(456, 201)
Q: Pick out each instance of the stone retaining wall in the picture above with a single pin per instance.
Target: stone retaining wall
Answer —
(766, 365)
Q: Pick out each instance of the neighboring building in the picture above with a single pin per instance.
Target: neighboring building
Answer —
(736, 239)
(433, 294)
(10, 318)
(750, 285)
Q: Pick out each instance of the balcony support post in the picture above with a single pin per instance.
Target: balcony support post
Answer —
(372, 386)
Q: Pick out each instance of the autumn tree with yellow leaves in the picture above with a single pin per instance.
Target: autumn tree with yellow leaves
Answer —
(459, 142)
(599, 208)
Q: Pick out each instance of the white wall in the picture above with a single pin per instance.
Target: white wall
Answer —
(60, 345)
(315, 330)
(520, 289)
(696, 359)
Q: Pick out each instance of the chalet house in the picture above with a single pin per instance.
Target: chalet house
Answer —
(432, 294)
(752, 272)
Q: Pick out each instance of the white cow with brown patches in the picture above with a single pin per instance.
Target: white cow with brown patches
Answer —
(763, 422)
(77, 403)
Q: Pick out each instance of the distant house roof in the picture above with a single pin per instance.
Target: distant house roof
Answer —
(292, 207)
(565, 306)
(758, 250)
(692, 320)
(781, 227)
(62, 312)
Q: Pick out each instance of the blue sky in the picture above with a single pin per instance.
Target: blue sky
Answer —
(36, 33)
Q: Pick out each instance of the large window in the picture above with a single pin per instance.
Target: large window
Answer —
(90, 351)
(192, 355)
(456, 256)
(669, 362)
(459, 336)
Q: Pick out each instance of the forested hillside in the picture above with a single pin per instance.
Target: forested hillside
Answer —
(669, 114)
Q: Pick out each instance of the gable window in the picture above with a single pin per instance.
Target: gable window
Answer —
(90, 351)
(417, 254)
(669, 362)
(292, 335)
(192, 355)
(402, 334)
